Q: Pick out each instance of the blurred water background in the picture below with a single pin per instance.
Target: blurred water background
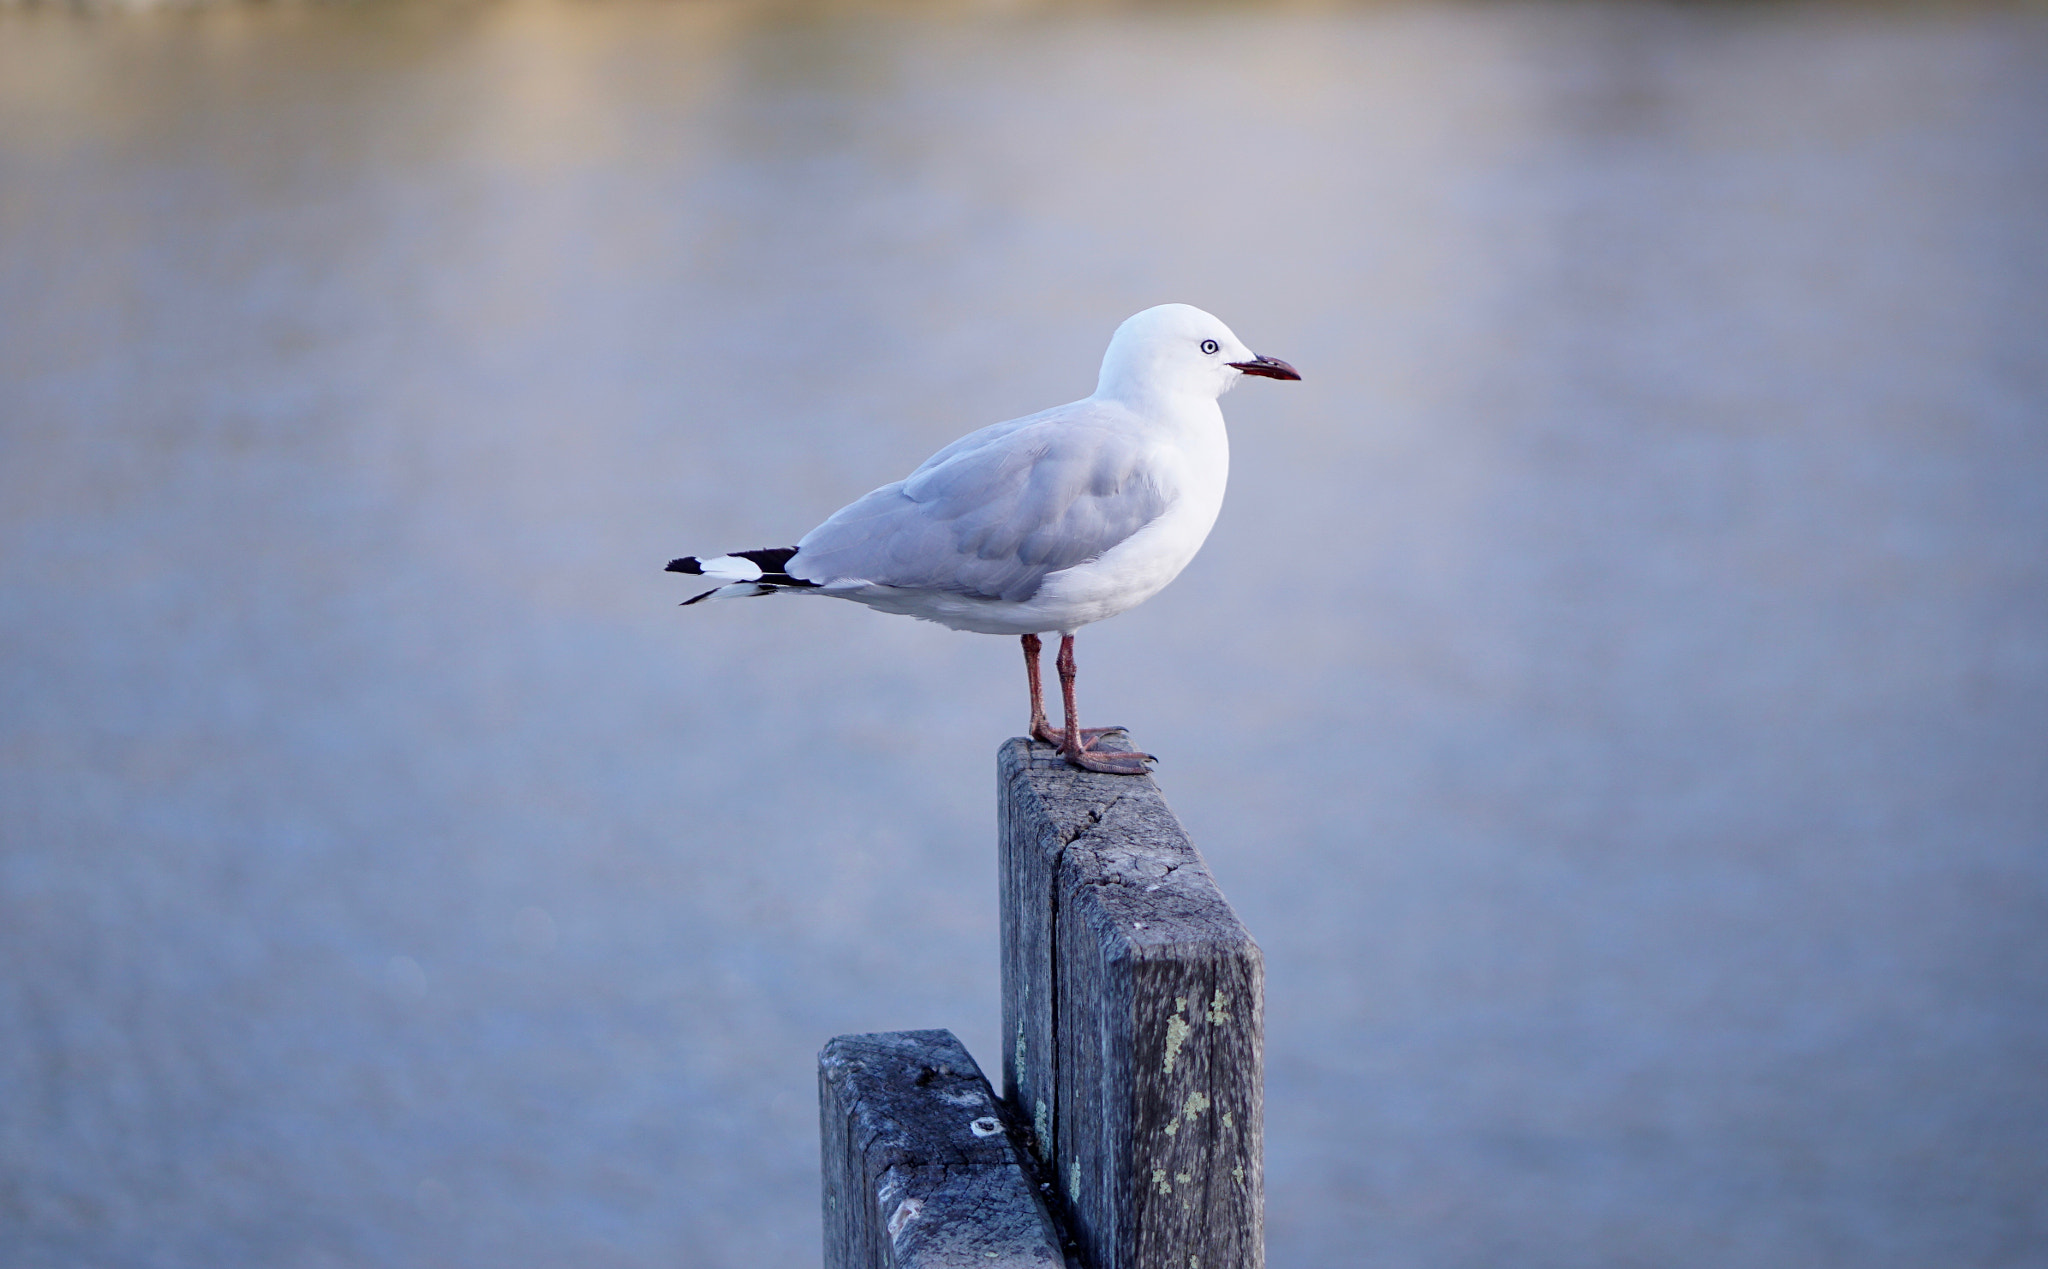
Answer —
(1614, 692)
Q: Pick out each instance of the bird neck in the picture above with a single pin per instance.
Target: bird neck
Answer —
(1149, 398)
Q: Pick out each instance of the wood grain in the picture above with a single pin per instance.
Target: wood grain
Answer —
(1133, 1004)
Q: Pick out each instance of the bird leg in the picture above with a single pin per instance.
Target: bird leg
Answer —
(1082, 753)
(1041, 727)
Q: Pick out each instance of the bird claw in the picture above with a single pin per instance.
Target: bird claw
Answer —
(1044, 732)
(1088, 757)
(1109, 762)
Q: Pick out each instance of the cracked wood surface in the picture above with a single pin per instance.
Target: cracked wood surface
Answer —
(921, 1169)
(1132, 1019)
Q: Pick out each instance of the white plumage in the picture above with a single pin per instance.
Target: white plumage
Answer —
(1043, 523)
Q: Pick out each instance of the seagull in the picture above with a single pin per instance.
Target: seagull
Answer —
(1043, 523)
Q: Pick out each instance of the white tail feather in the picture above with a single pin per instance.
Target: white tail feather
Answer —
(730, 568)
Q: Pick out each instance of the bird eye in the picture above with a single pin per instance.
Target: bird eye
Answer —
(1210, 345)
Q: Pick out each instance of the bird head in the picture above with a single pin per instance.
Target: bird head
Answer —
(1177, 350)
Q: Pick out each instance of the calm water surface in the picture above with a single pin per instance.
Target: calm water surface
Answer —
(1613, 693)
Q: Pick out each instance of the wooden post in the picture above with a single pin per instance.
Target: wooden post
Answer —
(920, 1168)
(1132, 1020)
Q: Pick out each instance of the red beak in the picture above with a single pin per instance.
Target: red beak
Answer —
(1268, 368)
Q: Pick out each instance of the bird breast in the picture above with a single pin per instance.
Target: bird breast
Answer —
(1195, 470)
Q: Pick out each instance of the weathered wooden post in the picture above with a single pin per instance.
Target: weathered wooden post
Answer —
(920, 1170)
(1133, 1004)
(1132, 1012)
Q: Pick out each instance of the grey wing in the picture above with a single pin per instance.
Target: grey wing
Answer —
(994, 432)
(995, 517)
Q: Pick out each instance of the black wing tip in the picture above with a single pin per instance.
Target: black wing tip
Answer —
(771, 559)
